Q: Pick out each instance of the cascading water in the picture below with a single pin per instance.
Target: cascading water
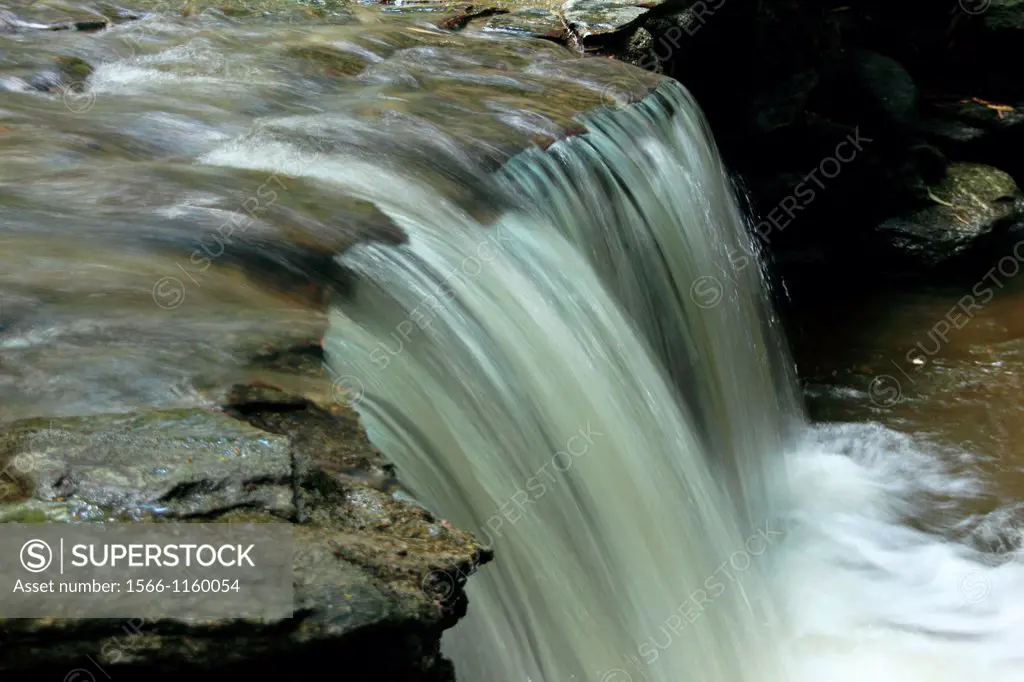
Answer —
(595, 383)
(516, 375)
(675, 254)
(579, 363)
(574, 356)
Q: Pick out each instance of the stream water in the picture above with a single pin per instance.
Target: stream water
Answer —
(548, 356)
(164, 214)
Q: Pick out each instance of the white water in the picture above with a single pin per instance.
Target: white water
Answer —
(700, 529)
(872, 599)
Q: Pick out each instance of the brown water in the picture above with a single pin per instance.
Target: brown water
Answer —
(928, 362)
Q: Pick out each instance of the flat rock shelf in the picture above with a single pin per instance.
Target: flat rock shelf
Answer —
(377, 578)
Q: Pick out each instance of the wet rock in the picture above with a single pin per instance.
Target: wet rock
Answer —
(976, 114)
(88, 26)
(414, 7)
(972, 207)
(73, 68)
(306, 273)
(779, 81)
(327, 60)
(1004, 16)
(595, 19)
(462, 19)
(377, 578)
(13, 308)
(997, 23)
(118, 15)
(952, 134)
(537, 22)
(304, 359)
(978, 130)
(12, 23)
(44, 81)
(326, 440)
(301, 261)
(187, 463)
(639, 51)
(69, 72)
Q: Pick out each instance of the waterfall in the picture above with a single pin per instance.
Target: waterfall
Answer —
(574, 354)
(645, 198)
(576, 358)
(554, 382)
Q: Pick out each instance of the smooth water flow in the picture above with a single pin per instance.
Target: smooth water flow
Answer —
(595, 383)
(677, 257)
(523, 401)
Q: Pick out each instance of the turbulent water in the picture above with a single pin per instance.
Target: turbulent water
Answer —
(595, 383)
(574, 355)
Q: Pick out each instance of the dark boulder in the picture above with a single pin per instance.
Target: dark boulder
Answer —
(978, 131)
(869, 89)
(971, 211)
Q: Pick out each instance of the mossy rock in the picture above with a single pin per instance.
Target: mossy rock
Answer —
(972, 205)
(326, 60)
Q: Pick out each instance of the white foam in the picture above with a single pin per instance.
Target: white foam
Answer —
(869, 597)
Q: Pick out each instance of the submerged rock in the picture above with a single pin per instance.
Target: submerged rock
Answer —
(9, 22)
(69, 72)
(538, 22)
(376, 578)
(462, 19)
(969, 208)
(327, 60)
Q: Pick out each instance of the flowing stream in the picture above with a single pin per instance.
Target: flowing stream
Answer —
(571, 350)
